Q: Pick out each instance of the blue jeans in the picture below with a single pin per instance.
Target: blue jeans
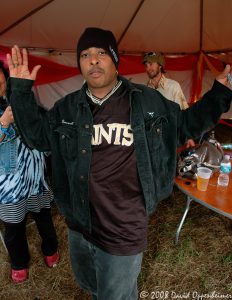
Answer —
(104, 275)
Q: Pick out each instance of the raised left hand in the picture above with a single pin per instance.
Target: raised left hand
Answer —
(223, 77)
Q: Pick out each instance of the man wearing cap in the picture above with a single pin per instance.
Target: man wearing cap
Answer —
(113, 146)
(154, 63)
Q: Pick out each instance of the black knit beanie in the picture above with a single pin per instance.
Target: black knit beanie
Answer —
(99, 38)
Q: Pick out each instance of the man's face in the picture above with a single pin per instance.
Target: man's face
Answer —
(2, 84)
(152, 69)
(97, 68)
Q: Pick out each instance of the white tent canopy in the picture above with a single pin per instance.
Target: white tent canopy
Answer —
(169, 26)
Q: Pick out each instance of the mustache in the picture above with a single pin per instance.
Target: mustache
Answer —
(95, 69)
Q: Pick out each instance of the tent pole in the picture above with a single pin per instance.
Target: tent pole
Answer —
(25, 17)
(131, 20)
(201, 24)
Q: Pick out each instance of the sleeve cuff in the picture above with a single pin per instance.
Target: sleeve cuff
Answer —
(24, 85)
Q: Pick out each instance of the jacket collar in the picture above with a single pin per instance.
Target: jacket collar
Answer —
(131, 87)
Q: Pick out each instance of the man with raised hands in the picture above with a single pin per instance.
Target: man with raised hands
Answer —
(113, 146)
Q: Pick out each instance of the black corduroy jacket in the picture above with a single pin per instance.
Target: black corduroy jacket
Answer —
(158, 126)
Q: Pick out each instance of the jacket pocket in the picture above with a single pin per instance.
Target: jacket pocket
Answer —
(8, 157)
(68, 141)
(154, 131)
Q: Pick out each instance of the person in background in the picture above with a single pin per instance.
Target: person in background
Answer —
(23, 189)
(113, 147)
(154, 63)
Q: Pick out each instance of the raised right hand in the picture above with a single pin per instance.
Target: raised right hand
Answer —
(18, 64)
(223, 77)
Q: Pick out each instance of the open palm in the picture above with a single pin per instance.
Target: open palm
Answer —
(18, 64)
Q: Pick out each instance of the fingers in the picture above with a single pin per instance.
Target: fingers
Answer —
(35, 71)
(19, 56)
(9, 61)
(225, 76)
(16, 56)
(11, 115)
(25, 57)
(7, 116)
(18, 64)
(8, 111)
(14, 60)
(227, 69)
(224, 72)
(8, 108)
(13, 55)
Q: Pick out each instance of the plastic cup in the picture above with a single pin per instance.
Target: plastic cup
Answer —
(203, 176)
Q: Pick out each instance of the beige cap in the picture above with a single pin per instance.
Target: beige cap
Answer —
(154, 57)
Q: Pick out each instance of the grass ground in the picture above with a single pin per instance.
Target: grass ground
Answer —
(201, 263)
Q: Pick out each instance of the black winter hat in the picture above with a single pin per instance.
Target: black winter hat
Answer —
(99, 38)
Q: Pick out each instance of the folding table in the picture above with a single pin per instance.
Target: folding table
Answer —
(218, 199)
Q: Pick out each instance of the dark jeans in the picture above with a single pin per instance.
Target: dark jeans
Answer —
(104, 275)
(16, 240)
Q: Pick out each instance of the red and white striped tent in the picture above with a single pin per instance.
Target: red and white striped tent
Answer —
(194, 35)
